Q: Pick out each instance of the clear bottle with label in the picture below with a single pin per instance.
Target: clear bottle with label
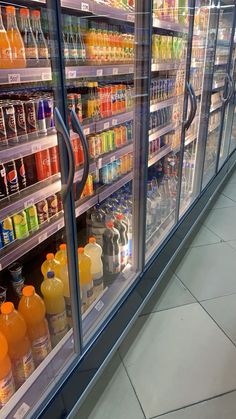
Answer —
(15, 39)
(5, 48)
(31, 49)
(39, 37)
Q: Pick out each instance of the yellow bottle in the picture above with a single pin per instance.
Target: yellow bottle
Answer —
(61, 255)
(50, 264)
(85, 279)
(52, 290)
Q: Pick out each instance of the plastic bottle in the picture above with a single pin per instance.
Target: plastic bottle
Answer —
(52, 290)
(39, 35)
(31, 50)
(61, 257)
(128, 217)
(32, 308)
(50, 264)
(13, 326)
(15, 39)
(7, 386)
(85, 279)
(111, 250)
(94, 251)
(5, 48)
(122, 227)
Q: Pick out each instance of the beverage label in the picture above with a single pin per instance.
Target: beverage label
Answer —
(31, 53)
(20, 225)
(57, 326)
(112, 264)
(7, 389)
(23, 368)
(87, 294)
(18, 287)
(5, 53)
(20, 53)
(41, 348)
(10, 122)
(43, 53)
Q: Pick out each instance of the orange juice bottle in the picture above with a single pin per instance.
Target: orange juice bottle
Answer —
(50, 264)
(61, 255)
(85, 279)
(15, 39)
(90, 43)
(7, 386)
(13, 326)
(32, 308)
(5, 48)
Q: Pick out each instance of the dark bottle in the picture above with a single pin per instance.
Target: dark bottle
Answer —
(111, 249)
(31, 49)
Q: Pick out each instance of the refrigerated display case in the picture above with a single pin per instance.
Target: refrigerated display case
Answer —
(107, 113)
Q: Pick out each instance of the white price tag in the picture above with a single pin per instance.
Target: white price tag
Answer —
(106, 125)
(131, 69)
(60, 225)
(71, 74)
(114, 121)
(112, 159)
(35, 148)
(130, 18)
(14, 78)
(43, 237)
(21, 412)
(100, 72)
(99, 305)
(86, 131)
(115, 71)
(85, 7)
(100, 163)
(46, 76)
(29, 203)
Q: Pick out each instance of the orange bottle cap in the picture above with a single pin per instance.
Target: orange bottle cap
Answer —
(28, 291)
(50, 256)
(11, 10)
(80, 250)
(92, 240)
(110, 224)
(7, 307)
(62, 246)
(35, 13)
(24, 12)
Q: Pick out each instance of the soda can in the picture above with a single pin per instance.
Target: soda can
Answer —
(108, 98)
(117, 137)
(20, 168)
(32, 218)
(30, 169)
(43, 166)
(54, 160)
(3, 182)
(7, 231)
(52, 205)
(20, 225)
(59, 202)
(129, 131)
(104, 175)
(104, 141)
(40, 117)
(98, 145)
(10, 123)
(111, 140)
(12, 178)
(88, 189)
(31, 120)
(48, 111)
(42, 211)
(3, 133)
(20, 121)
(75, 146)
(92, 146)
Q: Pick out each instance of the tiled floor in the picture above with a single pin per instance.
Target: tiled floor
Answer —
(179, 359)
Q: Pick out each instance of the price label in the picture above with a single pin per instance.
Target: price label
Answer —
(131, 69)
(114, 121)
(100, 163)
(106, 125)
(60, 225)
(130, 18)
(112, 159)
(14, 78)
(99, 305)
(29, 203)
(99, 72)
(85, 7)
(71, 74)
(46, 76)
(43, 237)
(115, 71)
(86, 131)
(21, 412)
(36, 147)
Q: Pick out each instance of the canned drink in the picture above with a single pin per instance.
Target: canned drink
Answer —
(43, 165)
(12, 178)
(114, 171)
(42, 211)
(3, 182)
(17, 280)
(110, 172)
(123, 134)
(20, 168)
(118, 168)
(104, 140)
(20, 225)
(20, 121)
(31, 120)
(7, 231)
(52, 205)
(30, 169)
(98, 145)
(105, 175)
(48, 111)
(40, 117)
(54, 160)
(117, 137)
(3, 133)
(32, 218)
(92, 146)
(88, 189)
(10, 123)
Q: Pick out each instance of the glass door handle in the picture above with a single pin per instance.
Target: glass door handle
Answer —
(228, 89)
(231, 87)
(76, 127)
(193, 108)
(61, 128)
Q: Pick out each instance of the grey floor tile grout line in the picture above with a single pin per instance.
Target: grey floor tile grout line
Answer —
(168, 308)
(216, 298)
(221, 238)
(131, 383)
(231, 199)
(194, 404)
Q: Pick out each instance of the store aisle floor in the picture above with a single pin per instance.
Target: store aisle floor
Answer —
(179, 359)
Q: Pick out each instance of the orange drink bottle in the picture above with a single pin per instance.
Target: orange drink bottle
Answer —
(7, 386)
(15, 39)
(5, 48)
(13, 326)
(50, 264)
(32, 308)
(85, 279)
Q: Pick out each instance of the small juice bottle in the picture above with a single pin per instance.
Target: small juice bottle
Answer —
(32, 308)
(50, 264)
(5, 48)
(7, 386)
(85, 279)
(15, 39)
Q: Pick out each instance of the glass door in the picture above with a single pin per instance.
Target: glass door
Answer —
(37, 321)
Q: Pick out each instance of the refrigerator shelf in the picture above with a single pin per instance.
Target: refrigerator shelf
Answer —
(114, 155)
(110, 189)
(90, 6)
(215, 107)
(161, 153)
(162, 131)
(74, 72)
(169, 26)
(105, 123)
(25, 75)
(164, 103)
(174, 65)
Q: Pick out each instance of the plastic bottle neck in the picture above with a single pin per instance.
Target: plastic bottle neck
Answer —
(2, 29)
(11, 22)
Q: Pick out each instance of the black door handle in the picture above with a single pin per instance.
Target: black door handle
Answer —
(193, 107)
(76, 127)
(227, 89)
(61, 128)
(231, 87)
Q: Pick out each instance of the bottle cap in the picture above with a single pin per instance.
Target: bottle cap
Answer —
(119, 216)
(92, 240)
(7, 307)
(24, 12)
(11, 10)
(50, 256)
(28, 291)
(50, 274)
(35, 13)
(80, 250)
(62, 246)
(110, 224)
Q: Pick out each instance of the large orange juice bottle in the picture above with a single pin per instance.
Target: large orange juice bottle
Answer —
(7, 386)
(50, 264)
(5, 48)
(52, 289)
(32, 308)
(13, 326)
(85, 279)
(15, 39)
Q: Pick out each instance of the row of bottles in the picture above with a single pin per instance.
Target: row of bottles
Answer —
(171, 10)
(167, 48)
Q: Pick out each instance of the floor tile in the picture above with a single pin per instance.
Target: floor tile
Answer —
(223, 311)
(177, 358)
(209, 271)
(224, 202)
(223, 407)
(175, 294)
(232, 179)
(222, 222)
(204, 236)
(230, 191)
(112, 397)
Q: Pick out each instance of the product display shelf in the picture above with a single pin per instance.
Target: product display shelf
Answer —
(215, 107)
(170, 26)
(159, 234)
(97, 9)
(164, 103)
(162, 131)
(94, 70)
(25, 75)
(214, 128)
(166, 149)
